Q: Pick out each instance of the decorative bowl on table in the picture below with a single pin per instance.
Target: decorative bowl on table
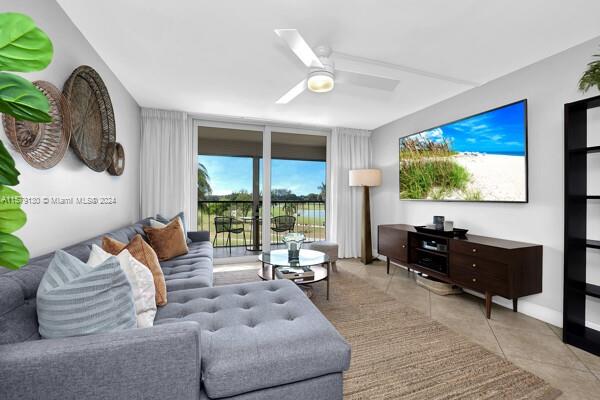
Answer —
(293, 242)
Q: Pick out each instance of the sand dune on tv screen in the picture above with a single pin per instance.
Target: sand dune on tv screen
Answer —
(496, 177)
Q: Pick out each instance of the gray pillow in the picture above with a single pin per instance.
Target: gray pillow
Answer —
(165, 221)
(75, 298)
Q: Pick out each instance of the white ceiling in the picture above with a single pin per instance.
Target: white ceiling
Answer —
(221, 57)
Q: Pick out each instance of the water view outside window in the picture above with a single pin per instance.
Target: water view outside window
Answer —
(225, 187)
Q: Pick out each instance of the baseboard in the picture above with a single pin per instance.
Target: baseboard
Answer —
(533, 310)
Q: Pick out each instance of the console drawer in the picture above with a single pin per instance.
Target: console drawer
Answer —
(475, 249)
(480, 274)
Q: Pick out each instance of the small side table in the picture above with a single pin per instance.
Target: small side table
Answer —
(318, 261)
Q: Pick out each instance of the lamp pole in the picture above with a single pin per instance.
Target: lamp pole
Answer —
(366, 253)
(365, 178)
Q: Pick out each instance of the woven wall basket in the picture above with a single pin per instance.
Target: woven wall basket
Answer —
(42, 145)
(93, 135)
(117, 166)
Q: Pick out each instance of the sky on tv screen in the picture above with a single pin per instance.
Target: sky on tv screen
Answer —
(501, 131)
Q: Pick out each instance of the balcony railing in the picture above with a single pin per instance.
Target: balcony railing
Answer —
(309, 215)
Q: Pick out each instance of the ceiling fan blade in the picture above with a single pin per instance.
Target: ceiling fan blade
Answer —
(381, 69)
(299, 46)
(292, 93)
(368, 81)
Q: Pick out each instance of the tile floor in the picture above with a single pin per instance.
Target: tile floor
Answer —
(531, 344)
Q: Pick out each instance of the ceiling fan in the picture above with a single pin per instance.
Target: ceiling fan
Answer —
(322, 73)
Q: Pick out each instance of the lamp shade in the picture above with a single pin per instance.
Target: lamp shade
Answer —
(365, 177)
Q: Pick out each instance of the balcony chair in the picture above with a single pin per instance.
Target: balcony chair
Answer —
(229, 225)
(282, 223)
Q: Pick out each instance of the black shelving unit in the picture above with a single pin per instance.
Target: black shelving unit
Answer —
(576, 287)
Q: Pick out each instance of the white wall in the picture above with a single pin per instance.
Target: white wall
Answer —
(547, 85)
(52, 226)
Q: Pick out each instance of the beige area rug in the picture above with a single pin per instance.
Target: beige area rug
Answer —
(399, 353)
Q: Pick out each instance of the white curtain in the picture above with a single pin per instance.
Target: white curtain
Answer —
(349, 149)
(168, 165)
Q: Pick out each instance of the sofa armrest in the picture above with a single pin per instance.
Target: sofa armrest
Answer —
(162, 362)
(200, 236)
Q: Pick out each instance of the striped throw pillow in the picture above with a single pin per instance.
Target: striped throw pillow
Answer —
(76, 299)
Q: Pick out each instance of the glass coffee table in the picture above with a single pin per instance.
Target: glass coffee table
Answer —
(318, 262)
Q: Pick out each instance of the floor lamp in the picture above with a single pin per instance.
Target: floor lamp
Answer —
(366, 178)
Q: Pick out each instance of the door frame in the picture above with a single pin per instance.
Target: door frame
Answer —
(266, 127)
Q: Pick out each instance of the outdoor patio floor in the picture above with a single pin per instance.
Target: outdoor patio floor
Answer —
(239, 251)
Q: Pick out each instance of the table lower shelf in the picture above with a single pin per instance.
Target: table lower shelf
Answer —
(322, 273)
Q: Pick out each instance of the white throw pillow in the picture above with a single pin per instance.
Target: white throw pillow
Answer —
(157, 224)
(142, 283)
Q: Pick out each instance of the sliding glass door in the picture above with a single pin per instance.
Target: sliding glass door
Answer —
(229, 188)
(257, 183)
(298, 184)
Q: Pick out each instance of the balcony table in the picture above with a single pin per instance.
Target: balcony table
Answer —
(255, 223)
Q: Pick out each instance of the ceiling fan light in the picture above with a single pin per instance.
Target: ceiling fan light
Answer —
(320, 82)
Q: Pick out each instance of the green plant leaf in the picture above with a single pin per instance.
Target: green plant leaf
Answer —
(23, 46)
(13, 253)
(11, 215)
(21, 99)
(8, 173)
(591, 77)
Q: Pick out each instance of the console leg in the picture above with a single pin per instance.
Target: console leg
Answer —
(515, 304)
(387, 261)
(488, 305)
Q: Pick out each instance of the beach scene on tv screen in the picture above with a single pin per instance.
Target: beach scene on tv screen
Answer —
(480, 158)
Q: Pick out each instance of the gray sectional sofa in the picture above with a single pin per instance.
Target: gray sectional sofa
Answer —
(262, 340)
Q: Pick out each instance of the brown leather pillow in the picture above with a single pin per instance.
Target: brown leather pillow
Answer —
(141, 251)
(168, 242)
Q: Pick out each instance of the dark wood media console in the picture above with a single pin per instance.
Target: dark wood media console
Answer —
(487, 265)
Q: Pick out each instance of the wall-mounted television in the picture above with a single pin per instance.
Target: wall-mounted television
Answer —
(479, 158)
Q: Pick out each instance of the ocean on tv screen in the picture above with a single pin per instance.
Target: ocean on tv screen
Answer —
(479, 158)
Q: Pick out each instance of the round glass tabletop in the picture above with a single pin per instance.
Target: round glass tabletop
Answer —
(308, 258)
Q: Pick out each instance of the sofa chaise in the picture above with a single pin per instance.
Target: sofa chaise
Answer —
(261, 340)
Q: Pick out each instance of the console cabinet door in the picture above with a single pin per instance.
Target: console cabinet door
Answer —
(393, 243)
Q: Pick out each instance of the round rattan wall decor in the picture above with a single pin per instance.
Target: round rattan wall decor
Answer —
(42, 145)
(93, 135)
(117, 165)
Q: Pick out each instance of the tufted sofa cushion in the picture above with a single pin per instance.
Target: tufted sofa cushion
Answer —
(18, 314)
(257, 335)
(190, 271)
(18, 317)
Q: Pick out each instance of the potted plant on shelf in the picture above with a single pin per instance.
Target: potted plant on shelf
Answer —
(23, 48)
(591, 77)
